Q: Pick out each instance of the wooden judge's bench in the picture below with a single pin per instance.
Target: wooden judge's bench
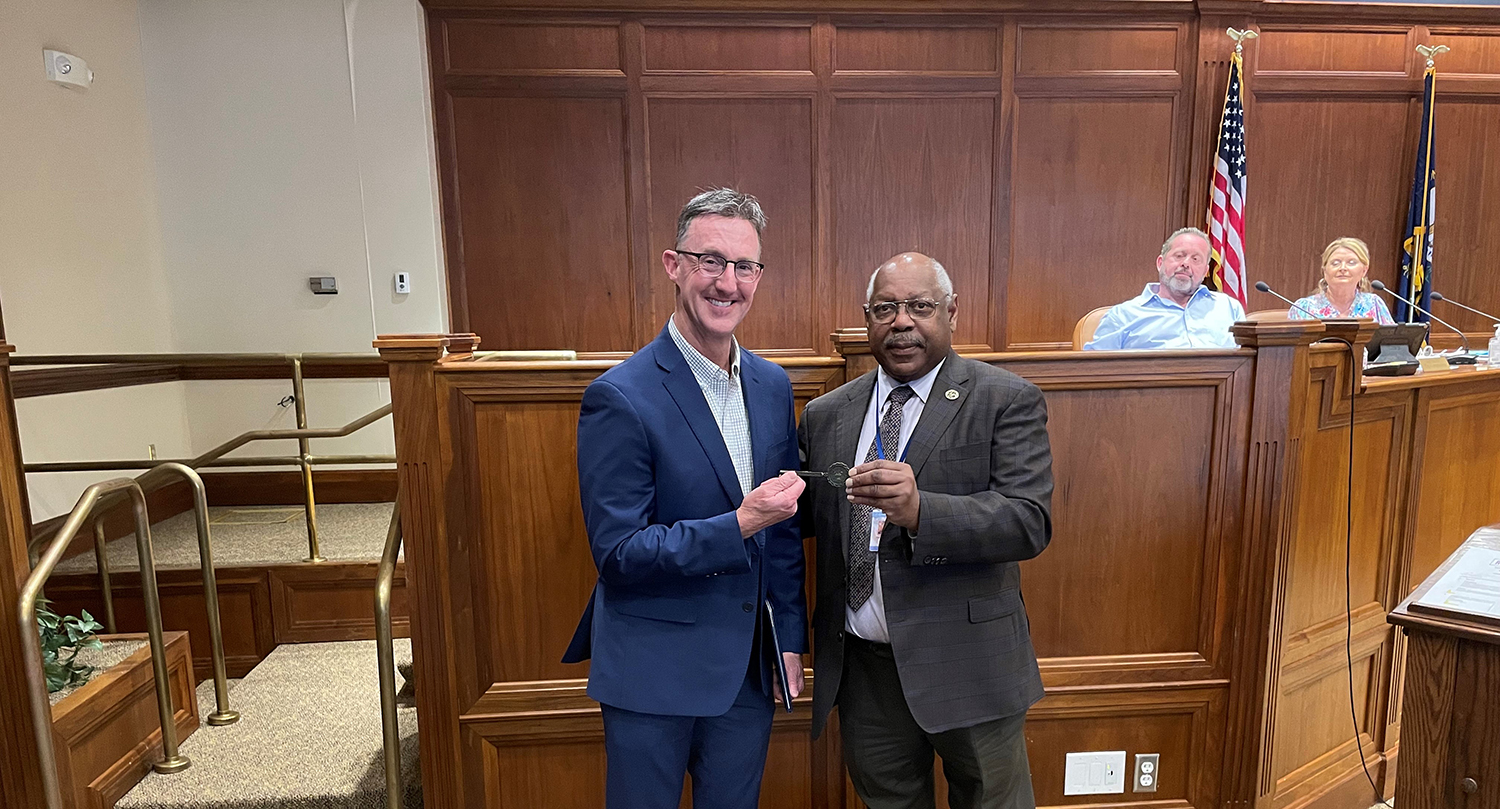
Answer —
(1192, 602)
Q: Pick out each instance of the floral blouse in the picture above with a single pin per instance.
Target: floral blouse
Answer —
(1366, 304)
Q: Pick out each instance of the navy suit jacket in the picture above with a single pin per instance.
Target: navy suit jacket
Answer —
(674, 617)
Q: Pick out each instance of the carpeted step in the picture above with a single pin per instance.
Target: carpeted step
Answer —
(253, 535)
(308, 737)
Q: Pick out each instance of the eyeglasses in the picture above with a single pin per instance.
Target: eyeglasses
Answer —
(918, 308)
(713, 265)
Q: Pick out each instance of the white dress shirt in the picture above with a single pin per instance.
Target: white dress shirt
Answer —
(868, 621)
(726, 400)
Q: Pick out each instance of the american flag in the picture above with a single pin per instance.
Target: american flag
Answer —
(1226, 208)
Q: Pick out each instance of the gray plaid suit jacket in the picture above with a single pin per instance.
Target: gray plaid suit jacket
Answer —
(958, 627)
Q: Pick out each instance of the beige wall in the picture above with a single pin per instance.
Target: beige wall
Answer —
(226, 152)
(297, 145)
(80, 249)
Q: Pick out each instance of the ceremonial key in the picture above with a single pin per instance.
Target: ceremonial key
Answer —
(836, 475)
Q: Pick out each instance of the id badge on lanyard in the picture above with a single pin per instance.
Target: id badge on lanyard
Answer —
(877, 517)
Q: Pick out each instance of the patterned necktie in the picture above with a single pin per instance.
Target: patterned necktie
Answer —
(861, 558)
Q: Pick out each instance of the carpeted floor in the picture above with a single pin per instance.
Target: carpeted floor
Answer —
(253, 535)
(308, 738)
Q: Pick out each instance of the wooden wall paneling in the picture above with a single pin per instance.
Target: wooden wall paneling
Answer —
(1159, 537)
(644, 270)
(913, 173)
(1100, 141)
(1155, 679)
(244, 602)
(1322, 51)
(22, 785)
(1315, 148)
(760, 145)
(570, 241)
(949, 47)
(314, 604)
(1466, 142)
(717, 47)
(517, 46)
(1185, 726)
(1455, 439)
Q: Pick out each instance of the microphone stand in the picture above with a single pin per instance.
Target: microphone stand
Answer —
(1438, 296)
(1466, 358)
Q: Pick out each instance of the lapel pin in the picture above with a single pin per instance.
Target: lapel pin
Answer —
(951, 394)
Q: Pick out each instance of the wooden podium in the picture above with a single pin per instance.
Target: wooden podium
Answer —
(1450, 736)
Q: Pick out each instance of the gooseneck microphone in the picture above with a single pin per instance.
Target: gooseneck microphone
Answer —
(1437, 296)
(1262, 286)
(1383, 288)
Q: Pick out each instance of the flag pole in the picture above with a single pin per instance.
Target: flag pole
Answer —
(1236, 64)
(1419, 233)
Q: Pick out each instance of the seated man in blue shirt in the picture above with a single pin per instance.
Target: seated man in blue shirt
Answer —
(1179, 312)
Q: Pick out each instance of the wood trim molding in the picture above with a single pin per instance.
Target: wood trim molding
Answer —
(76, 378)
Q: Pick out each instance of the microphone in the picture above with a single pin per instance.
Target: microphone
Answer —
(1437, 296)
(1382, 287)
(1262, 286)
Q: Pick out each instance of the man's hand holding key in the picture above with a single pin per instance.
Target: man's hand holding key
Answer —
(770, 503)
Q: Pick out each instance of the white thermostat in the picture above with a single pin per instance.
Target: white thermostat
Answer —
(65, 68)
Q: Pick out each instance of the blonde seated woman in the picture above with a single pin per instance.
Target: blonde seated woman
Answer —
(1343, 291)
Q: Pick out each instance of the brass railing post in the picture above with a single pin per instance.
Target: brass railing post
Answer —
(304, 447)
(385, 653)
(31, 650)
(222, 715)
(101, 564)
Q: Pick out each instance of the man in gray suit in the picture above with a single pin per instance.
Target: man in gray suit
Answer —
(920, 635)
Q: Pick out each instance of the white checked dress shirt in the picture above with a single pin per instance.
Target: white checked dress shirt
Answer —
(726, 399)
(868, 621)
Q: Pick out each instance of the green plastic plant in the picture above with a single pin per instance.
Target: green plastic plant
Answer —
(65, 632)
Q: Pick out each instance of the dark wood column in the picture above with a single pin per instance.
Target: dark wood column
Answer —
(1276, 426)
(22, 785)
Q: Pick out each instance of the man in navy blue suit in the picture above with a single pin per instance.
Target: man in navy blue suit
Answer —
(694, 532)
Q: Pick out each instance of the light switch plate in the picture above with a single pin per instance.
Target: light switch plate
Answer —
(1097, 773)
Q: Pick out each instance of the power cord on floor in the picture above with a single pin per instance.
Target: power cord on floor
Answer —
(1348, 563)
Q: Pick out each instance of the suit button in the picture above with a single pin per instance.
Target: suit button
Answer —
(929, 560)
(747, 607)
(841, 634)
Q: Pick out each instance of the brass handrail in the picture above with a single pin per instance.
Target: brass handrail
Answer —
(222, 715)
(36, 680)
(150, 480)
(385, 654)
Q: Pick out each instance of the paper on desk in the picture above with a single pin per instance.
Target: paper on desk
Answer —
(1471, 586)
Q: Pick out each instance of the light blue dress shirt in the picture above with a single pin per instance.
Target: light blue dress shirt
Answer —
(1151, 321)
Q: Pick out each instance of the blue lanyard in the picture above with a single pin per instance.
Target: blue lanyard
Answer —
(880, 450)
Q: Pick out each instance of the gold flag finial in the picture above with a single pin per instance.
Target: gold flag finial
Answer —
(1239, 38)
(1429, 51)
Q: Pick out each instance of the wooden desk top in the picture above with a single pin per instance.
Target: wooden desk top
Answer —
(1457, 374)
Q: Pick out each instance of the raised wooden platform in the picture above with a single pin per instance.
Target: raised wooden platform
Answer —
(260, 606)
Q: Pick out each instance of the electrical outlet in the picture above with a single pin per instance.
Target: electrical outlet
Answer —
(1146, 771)
(403, 283)
(1101, 773)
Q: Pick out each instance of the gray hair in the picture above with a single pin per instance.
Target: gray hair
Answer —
(721, 202)
(1167, 245)
(944, 282)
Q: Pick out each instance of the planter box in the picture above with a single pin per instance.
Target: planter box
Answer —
(107, 733)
